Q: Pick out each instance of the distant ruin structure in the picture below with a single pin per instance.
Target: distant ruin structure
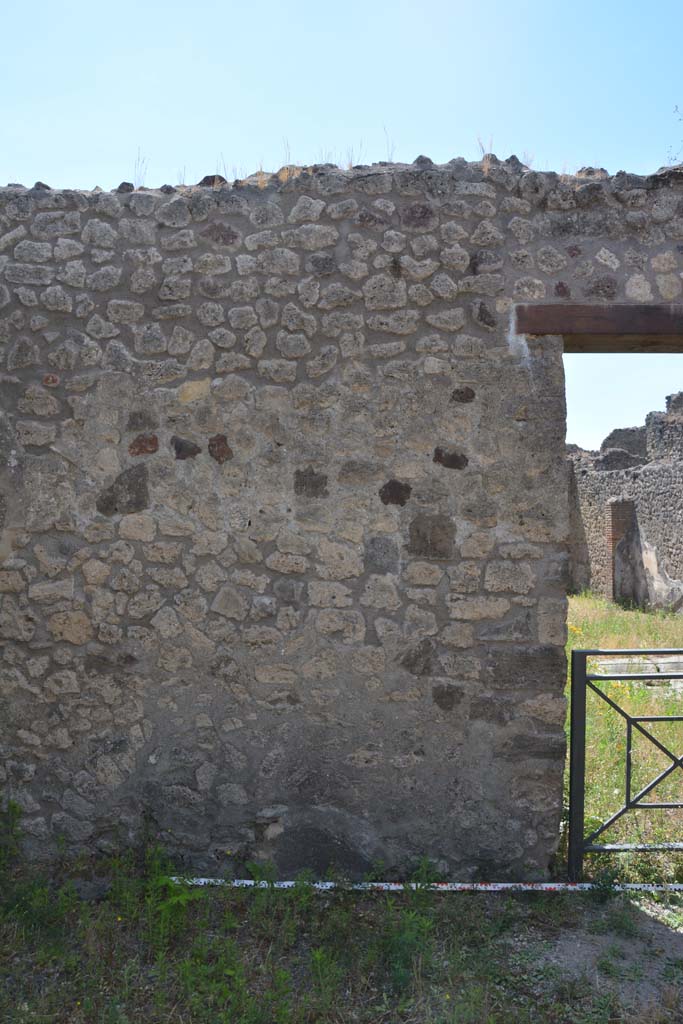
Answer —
(284, 531)
(627, 512)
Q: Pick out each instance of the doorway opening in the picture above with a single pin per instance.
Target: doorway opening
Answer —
(625, 462)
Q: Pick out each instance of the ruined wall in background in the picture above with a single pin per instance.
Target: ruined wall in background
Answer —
(284, 508)
(644, 464)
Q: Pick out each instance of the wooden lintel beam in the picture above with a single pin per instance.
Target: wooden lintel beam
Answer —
(615, 319)
(642, 343)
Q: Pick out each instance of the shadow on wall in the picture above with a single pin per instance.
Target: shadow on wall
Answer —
(579, 555)
(639, 578)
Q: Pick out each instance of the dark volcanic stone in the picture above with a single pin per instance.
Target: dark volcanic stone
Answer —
(184, 449)
(126, 186)
(321, 264)
(381, 555)
(289, 591)
(548, 746)
(419, 215)
(141, 419)
(483, 315)
(221, 234)
(446, 696)
(419, 660)
(603, 287)
(394, 492)
(431, 536)
(212, 180)
(451, 459)
(144, 444)
(128, 493)
(219, 449)
(590, 194)
(465, 394)
(369, 219)
(536, 669)
(485, 261)
(309, 483)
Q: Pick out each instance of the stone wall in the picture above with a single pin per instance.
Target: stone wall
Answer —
(284, 513)
(647, 468)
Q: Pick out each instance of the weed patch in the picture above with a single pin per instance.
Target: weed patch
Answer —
(595, 623)
(142, 947)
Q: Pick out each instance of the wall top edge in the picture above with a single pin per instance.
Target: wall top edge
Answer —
(423, 175)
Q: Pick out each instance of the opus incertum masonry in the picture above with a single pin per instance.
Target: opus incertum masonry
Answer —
(283, 507)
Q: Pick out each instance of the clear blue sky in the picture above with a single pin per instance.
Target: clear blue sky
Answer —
(608, 391)
(186, 89)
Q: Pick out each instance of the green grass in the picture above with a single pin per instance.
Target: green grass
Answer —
(154, 951)
(597, 623)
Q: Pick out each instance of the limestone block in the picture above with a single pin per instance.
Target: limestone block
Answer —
(95, 571)
(517, 577)
(381, 592)
(448, 320)
(346, 625)
(11, 582)
(230, 603)
(329, 595)
(122, 311)
(72, 627)
(32, 434)
(99, 233)
(638, 288)
(552, 621)
(478, 607)
(137, 526)
(338, 561)
(49, 592)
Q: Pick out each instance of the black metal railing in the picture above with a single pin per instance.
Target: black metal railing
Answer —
(581, 682)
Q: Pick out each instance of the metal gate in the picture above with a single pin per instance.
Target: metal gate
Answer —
(581, 681)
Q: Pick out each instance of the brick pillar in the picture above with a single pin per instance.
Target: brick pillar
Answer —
(619, 516)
